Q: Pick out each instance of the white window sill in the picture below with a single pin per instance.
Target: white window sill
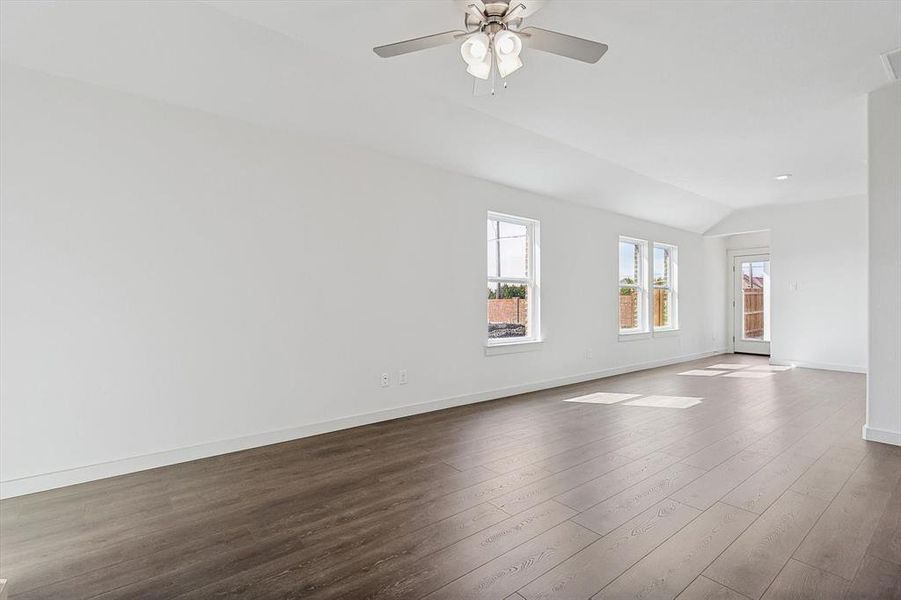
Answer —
(634, 337)
(513, 347)
(670, 332)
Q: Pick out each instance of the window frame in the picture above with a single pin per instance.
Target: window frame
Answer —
(532, 281)
(672, 286)
(643, 329)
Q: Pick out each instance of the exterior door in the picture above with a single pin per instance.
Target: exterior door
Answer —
(751, 304)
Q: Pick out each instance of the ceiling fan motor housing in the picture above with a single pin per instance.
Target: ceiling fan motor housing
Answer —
(493, 20)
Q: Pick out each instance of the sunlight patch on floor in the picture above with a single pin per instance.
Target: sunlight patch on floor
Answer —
(703, 372)
(603, 398)
(665, 401)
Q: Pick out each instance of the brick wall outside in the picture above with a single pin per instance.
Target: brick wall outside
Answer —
(508, 310)
(627, 313)
(515, 310)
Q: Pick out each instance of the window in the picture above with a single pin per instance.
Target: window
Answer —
(632, 285)
(664, 301)
(512, 279)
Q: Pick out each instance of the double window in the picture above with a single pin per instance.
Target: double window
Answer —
(513, 297)
(647, 287)
(647, 303)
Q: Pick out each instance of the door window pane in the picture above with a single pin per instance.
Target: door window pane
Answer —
(755, 282)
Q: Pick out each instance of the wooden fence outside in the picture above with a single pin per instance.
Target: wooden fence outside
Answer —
(753, 312)
(661, 308)
(628, 310)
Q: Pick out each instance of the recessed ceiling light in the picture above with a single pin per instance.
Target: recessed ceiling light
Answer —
(783, 177)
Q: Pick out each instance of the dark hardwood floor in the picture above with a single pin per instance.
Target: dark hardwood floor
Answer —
(764, 490)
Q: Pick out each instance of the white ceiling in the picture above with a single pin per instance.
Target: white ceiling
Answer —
(691, 113)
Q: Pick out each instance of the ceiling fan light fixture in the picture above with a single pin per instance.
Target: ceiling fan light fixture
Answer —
(488, 43)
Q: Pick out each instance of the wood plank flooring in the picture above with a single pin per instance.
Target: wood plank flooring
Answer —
(763, 490)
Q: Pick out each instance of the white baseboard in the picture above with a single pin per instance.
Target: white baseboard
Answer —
(47, 481)
(882, 435)
(816, 365)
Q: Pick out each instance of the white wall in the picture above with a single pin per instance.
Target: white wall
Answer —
(743, 241)
(818, 258)
(884, 376)
(176, 284)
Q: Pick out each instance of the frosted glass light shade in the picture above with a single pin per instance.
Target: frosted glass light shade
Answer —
(507, 44)
(475, 48)
(481, 70)
(505, 66)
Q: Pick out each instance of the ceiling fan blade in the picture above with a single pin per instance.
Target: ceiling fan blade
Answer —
(474, 10)
(465, 4)
(562, 44)
(417, 44)
(515, 11)
(530, 7)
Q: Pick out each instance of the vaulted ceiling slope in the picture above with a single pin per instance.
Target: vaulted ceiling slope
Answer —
(692, 112)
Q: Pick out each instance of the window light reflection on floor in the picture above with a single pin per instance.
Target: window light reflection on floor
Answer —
(637, 400)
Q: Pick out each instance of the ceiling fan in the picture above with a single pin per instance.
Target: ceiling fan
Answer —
(493, 37)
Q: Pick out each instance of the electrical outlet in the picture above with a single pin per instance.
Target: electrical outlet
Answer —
(386, 381)
(589, 354)
(402, 377)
